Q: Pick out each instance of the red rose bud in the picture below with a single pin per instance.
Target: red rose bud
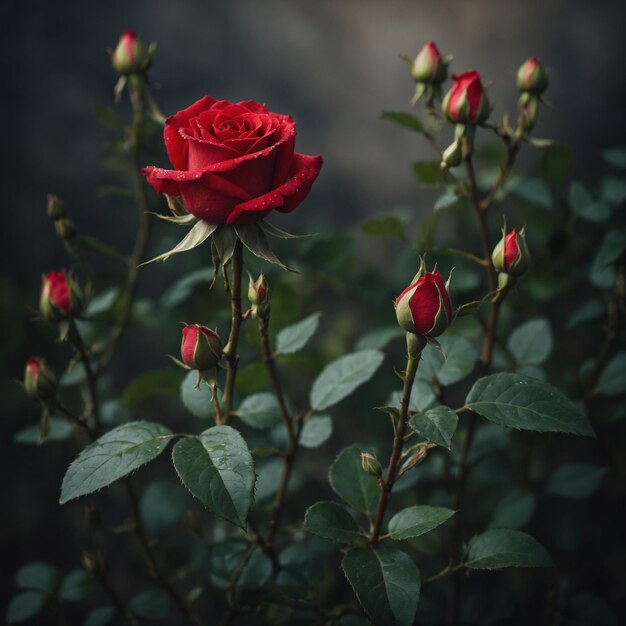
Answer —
(233, 163)
(39, 381)
(201, 348)
(60, 296)
(259, 295)
(532, 77)
(130, 56)
(466, 102)
(511, 255)
(429, 66)
(424, 306)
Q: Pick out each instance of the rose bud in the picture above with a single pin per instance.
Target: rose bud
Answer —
(39, 381)
(60, 297)
(532, 77)
(466, 102)
(65, 229)
(429, 66)
(201, 348)
(371, 465)
(130, 56)
(511, 255)
(259, 295)
(424, 306)
(55, 208)
(452, 155)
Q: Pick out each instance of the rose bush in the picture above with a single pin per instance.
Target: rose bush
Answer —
(233, 163)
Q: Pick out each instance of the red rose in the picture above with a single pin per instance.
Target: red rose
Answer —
(424, 306)
(466, 102)
(201, 348)
(511, 255)
(233, 163)
(60, 296)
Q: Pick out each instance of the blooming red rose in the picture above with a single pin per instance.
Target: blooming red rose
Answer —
(511, 255)
(201, 348)
(466, 102)
(424, 306)
(233, 163)
(60, 296)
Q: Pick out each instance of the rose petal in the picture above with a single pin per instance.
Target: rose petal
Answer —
(284, 198)
(176, 146)
(424, 304)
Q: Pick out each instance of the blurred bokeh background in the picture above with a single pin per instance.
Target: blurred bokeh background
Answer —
(333, 66)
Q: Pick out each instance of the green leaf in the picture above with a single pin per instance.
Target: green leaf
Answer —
(76, 586)
(100, 616)
(613, 245)
(379, 338)
(451, 364)
(417, 520)
(576, 481)
(102, 302)
(196, 236)
(162, 504)
(590, 311)
(60, 429)
(260, 410)
(583, 205)
(555, 164)
(615, 157)
(24, 605)
(330, 520)
(447, 199)
(197, 400)
(437, 425)
(294, 337)
(227, 557)
(162, 382)
(386, 582)
(115, 455)
(613, 191)
(182, 288)
(217, 468)
(38, 576)
(535, 191)
(515, 510)
(351, 483)
(255, 239)
(406, 120)
(316, 431)
(108, 117)
(612, 381)
(388, 226)
(532, 342)
(520, 402)
(498, 549)
(428, 172)
(151, 605)
(341, 377)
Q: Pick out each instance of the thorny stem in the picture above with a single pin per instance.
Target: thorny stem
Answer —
(137, 98)
(235, 324)
(152, 561)
(396, 453)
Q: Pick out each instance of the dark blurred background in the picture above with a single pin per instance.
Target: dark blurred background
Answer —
(333, 66)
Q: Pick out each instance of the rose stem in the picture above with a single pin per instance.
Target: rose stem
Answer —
(233, 338)
(480, 207)
(293, 434)
(124, 613)
(137, 98)
(396, 453)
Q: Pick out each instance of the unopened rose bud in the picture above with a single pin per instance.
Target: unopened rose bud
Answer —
(424, 308)
(201, 348)
(259, 295)
(511, 255)
(64, 229)
(92, 563)
(55, 208)
(466, 102)
(371, 465)
(429, 66)
(532, 77)
(60, 297)
(130, 56)
(39, 380)
(452, 155)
